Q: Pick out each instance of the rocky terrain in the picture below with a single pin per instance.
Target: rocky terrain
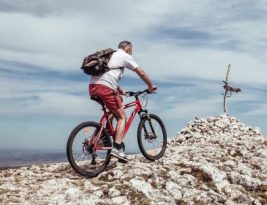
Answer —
(216, 160)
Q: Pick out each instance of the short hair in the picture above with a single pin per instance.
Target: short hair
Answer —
(124, 44)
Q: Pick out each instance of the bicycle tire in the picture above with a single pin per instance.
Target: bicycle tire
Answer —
(140, 137)
(74, 165)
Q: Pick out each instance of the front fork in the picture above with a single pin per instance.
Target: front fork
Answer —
(144, 115)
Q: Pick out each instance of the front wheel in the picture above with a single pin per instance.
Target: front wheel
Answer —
(152, 137)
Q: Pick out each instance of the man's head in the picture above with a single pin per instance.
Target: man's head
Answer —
(126, 46)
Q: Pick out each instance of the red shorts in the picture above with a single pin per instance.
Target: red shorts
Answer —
(110, 97)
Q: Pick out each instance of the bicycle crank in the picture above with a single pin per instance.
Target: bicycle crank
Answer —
(93, 162)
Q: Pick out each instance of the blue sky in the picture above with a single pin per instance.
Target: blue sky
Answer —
(184, 46)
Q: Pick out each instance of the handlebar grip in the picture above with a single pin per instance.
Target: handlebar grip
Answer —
(150, 92)
(130, 93)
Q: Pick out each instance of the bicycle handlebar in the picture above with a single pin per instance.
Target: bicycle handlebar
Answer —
(130, 93)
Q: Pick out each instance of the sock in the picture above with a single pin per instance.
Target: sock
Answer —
(116, 145)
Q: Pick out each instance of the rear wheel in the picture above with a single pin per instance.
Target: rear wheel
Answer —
(152, 137)
(83, 156)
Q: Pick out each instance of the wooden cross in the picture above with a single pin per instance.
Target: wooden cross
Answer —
(228, 89)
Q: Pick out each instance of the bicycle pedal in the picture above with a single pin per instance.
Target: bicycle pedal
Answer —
(93, 162)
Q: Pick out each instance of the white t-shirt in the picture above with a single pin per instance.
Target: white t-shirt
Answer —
(118, 59)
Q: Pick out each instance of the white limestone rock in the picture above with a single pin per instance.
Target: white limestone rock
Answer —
(246, 181)
(113, 192)
(120, 200)
(220, 124)
(73, 193)
(141, 186)
(215, 175)
(174, 190)
(217, 160)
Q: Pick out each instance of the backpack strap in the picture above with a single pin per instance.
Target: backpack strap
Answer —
(115, 68)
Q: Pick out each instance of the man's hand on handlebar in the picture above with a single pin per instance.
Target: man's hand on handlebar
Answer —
(152, 89)
(121, 91)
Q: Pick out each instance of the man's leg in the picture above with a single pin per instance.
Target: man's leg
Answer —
(113, 102)
(117, 148)
(121, 120)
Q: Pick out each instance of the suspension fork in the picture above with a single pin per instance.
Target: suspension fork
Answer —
(144, 115)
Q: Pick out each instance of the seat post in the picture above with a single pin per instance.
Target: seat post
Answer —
(98, 100)
(103, 107)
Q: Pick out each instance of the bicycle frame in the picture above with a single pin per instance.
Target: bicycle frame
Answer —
(105, 120)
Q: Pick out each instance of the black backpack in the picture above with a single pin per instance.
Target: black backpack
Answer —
(97, 63)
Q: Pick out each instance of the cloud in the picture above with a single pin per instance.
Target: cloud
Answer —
(40, 91)
(194, 107)
(181, 33)
(33, 91)
(42, 44)
(38, 8)
(184, 46)
(171, 39)
(260, 109)
(48, 103)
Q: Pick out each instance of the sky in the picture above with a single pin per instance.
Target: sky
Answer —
(184, 46)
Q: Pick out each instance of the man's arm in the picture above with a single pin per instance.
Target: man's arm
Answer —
(141, 73)
(121, 92)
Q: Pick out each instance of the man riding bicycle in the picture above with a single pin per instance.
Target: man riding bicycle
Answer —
(107, 89)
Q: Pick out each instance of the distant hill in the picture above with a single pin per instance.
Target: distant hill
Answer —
(17, 158)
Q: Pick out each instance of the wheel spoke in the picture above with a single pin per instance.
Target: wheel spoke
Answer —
(81, 157)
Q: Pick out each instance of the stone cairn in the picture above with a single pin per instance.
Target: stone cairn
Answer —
(229, 154)
(213, 127)
(214, 160)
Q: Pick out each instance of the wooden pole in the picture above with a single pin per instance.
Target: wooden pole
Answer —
(226, 90)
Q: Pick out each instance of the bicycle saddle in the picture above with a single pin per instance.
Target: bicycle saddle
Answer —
(97, 99)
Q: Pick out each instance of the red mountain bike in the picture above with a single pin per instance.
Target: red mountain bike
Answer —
(90, 143)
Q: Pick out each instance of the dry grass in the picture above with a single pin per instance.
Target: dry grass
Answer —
(3, 191)
(132, 195)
